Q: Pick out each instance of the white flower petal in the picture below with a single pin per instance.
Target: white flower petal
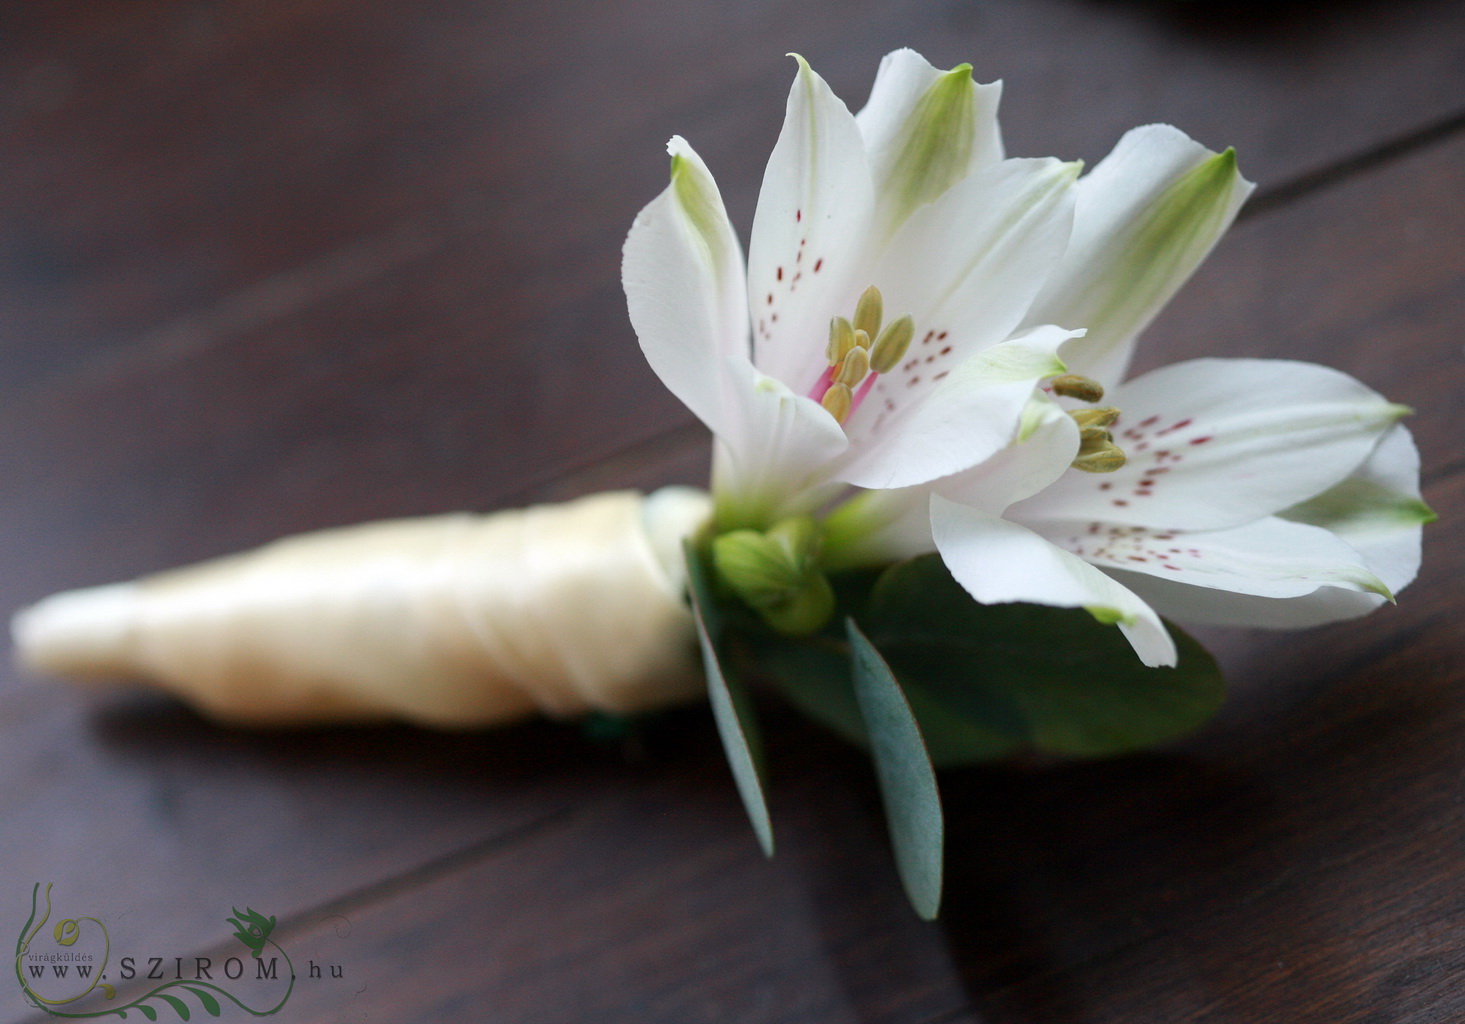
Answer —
(808, 257)
(682, 269)
(925, 129)
(784, 446)
(1377, 510)
(968, 265)
(1214, 443)
(1000, 562)
(1147, 215)
(1202, 606)
(1267, 558)
(969, 416)
(1042, 452)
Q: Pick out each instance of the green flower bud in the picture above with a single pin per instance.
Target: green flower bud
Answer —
(777, 574)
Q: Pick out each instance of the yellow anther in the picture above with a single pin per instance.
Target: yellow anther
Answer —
(855, 368)
(1104, 417)
(868, 312)
(837, 400)
(1097, 452)
(862, 340)
(892, 345)
(1105, 460)
(841, 340)
(1093, 439)
(1071, 385)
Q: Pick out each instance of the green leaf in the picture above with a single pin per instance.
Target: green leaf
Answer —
(209, 1003)
(907, 780)
(179, 1005)
(148, 1012)
(953, 739)
(815, 678)
(731, 706)
(1051, 678)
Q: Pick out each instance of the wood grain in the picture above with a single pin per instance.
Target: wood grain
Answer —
(266, 267)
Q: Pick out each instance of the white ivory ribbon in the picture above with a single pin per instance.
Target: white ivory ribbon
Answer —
(458, 620)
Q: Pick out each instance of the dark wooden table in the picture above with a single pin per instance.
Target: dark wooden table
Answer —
(281, 264)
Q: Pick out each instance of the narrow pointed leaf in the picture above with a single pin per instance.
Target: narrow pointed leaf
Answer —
(815, 678)
(731, 707)
(209, 1003)
(907, 780)
(179, 1006)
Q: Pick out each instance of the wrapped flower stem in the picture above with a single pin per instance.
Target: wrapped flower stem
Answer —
(454, 621)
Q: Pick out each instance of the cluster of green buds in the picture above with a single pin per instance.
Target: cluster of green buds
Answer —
(777, 573)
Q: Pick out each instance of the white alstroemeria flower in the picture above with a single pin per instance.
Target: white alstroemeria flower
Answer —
(1254, 492)
(910, 203)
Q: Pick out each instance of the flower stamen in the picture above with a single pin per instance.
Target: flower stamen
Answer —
(1071, 385)
(893, 343)
(838, 401)
(1097, 452)
(841, 340)
(869, 311)
(855, 366)
(855, 361)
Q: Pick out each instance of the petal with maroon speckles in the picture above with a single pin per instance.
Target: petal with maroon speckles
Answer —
(969, 264)
(1222, 442)
(1204, 606)
(999, 562)
(964, 420)
(1268, 558)
(813, 211)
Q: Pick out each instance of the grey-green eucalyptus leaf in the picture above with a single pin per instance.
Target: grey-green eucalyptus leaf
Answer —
(907, 780)
(731, 706)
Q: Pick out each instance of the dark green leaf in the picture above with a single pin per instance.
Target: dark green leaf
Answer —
(953, 739)
(731, 706)
(907, 780)
(1052, 678)
(148, 1012)
(210, 1004)
(814, 676)
(179, 1005)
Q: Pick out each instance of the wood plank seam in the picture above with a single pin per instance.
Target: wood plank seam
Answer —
(1285, 193)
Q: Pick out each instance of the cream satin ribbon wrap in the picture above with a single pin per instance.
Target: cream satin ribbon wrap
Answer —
(456, 620)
